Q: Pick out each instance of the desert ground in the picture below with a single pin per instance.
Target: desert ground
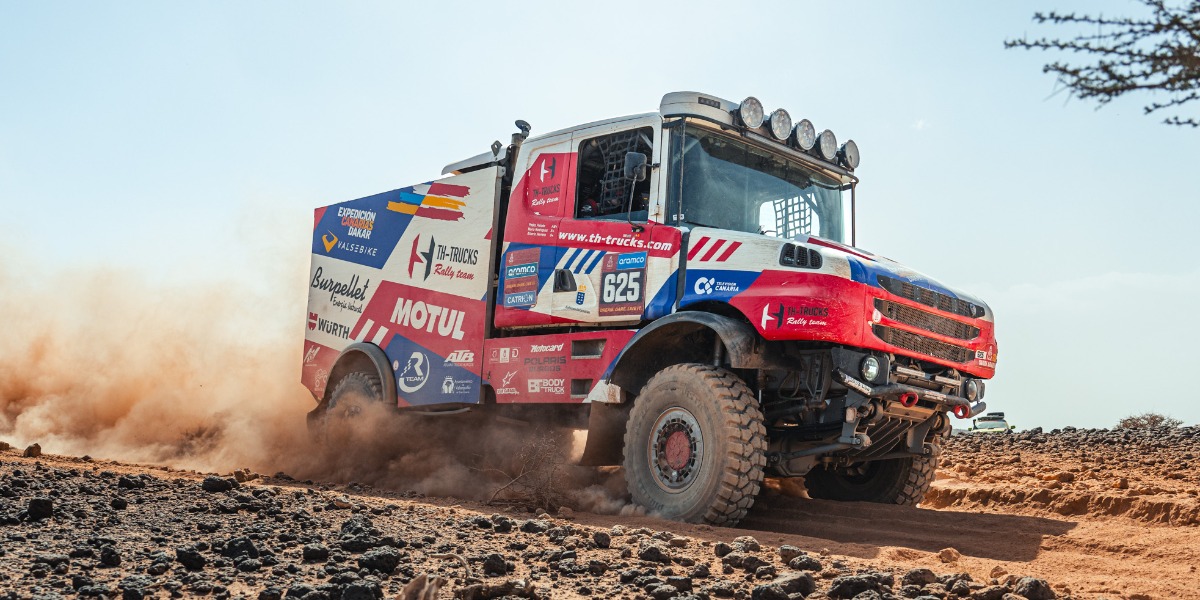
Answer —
(1034, 515)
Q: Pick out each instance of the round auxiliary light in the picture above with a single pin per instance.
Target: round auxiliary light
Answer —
(870, 368)
(806, 135)
(751, 112)
(971, 389)
(849, 154)
(827, 145)
(781, 124)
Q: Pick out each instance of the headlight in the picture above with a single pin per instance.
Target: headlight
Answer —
(972, 389)
(781, 124)
(827, 145)
(751, 112)
(806, 135)
(870, 368)
(849, 154)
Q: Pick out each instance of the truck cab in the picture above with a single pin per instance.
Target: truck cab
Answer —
(684, 283)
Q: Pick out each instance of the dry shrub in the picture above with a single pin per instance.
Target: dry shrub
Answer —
(537, 473)
(1147, 421)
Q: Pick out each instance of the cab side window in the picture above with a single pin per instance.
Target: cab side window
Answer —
(602, 191)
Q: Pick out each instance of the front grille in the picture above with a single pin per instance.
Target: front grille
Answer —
(799, 256)
(926, 320)
(922, 344)
(929, 297)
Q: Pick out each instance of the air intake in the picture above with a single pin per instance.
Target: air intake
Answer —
(922, 344)
(926, 320)
(799, 256)
(929, 297)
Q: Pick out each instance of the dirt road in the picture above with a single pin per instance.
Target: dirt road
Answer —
(1046, 515)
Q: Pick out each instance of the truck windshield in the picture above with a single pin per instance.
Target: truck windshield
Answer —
(723, 182)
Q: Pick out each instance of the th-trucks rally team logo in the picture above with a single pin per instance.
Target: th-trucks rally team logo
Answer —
(795, 316)
(436, 257)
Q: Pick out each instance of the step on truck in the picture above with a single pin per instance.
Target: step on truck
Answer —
(684, 284)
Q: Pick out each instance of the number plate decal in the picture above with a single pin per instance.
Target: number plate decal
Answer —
(622, 290)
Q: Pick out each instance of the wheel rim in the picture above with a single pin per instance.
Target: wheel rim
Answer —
(676, 449)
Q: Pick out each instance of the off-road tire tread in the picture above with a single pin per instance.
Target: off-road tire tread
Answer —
(920, 478)
(369, 381)
(744, 430)
(908, 489)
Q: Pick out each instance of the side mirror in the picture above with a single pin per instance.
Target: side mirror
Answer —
(635, 166)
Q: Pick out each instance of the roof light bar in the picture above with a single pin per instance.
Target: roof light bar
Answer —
(781, 124)
(751, 112)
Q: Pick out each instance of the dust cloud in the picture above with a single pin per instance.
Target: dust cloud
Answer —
(206, 376)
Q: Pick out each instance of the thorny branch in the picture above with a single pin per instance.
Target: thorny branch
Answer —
(1158, 54)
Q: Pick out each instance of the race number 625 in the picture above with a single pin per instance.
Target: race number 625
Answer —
(622, 286)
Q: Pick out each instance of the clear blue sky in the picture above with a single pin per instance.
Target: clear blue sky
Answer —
(188, 142)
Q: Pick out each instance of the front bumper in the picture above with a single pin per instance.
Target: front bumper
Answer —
(961, 407)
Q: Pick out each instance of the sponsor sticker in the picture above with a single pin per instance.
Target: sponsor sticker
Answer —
(544, 364)
(524, 284)
(450, 385)
(504, 355)
(461, 357)
(521, 299)
(633, 260)
(427, 317)
(527, 255)
(525, 270)
(520, 277)
(547, 386)
(505, 388)
(343, 294)
(415, 373)
(333, 328)
(708, 285)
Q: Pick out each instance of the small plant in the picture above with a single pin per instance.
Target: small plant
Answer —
(536, 473)
(1147, 421)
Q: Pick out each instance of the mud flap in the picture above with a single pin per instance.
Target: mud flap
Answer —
(606, 434)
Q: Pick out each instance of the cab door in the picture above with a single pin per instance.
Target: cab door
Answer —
(615, 261)
(540, 196)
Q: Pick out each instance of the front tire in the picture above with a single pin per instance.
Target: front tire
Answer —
(695, 445)
(903, 481)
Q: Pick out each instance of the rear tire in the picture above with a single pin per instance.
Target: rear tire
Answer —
(355, 393)
(903, 481)
(695, 445)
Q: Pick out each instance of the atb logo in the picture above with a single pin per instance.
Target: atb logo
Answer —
(415, 373)
(461, 357)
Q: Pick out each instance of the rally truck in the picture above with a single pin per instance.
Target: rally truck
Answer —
(684, 284)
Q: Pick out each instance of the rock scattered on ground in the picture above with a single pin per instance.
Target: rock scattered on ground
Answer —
(179, 535)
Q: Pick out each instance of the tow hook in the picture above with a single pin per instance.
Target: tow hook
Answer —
(964, 411)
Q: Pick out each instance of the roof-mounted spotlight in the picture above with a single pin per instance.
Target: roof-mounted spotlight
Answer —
(827, 145)
(806, 135)
(849, 154)
(751, 112)
(781, 124)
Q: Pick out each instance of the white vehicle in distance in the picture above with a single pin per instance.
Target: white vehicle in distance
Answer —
(992, 422)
